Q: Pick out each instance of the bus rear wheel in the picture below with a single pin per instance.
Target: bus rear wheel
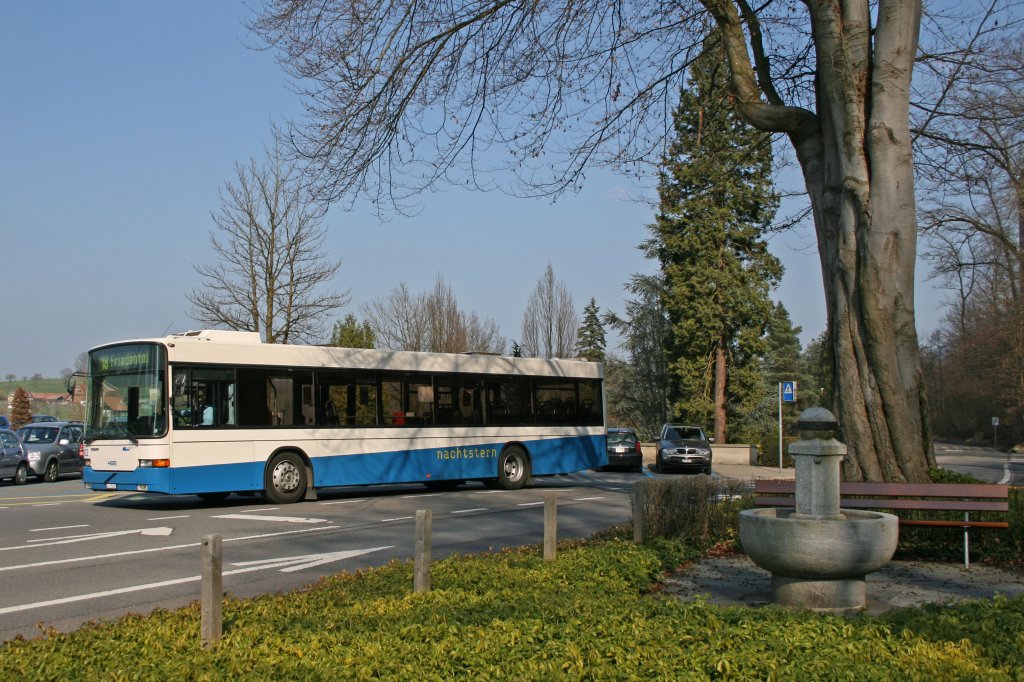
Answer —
(285, 479)
(513, 469)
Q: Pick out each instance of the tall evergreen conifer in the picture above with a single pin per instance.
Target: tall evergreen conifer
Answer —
(350, 333)
(590, 338)
(716, 200)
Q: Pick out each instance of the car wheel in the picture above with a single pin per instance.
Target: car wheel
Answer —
(51, 474)
(638, 469)
(21, 475)
(285, 479)
(513, 468)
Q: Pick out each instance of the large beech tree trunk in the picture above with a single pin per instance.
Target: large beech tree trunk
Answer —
(856, 157)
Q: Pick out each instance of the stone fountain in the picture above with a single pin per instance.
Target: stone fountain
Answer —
(817, 553)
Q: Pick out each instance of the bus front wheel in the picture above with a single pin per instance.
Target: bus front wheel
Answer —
(513, 468)
(285, 479)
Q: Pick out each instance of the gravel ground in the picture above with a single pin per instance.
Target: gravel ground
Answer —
(736, 580)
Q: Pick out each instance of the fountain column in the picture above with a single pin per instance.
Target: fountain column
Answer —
(818, 554)
(817, 456)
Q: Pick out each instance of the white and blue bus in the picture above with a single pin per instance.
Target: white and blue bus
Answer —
(216, 412)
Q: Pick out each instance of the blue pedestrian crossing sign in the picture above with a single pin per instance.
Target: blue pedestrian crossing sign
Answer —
(789, 391)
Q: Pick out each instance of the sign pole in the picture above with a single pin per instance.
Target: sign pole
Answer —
(780, 427)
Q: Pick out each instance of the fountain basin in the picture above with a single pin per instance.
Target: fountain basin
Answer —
(780, 541)
(816, 563)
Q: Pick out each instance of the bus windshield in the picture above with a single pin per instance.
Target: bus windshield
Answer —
(127, 396)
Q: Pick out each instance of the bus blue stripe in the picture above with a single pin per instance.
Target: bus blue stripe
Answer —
(547, 456)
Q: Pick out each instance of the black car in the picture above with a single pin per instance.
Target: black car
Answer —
(624, 449)
(683, 448)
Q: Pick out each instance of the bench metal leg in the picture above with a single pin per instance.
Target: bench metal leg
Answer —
(967, 542)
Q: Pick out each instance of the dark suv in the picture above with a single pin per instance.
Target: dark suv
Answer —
(683, 448)
(52, 448)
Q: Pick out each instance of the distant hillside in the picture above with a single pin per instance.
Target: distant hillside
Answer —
(36, 386)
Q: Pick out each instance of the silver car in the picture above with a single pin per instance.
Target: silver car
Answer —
(683, 448)
(52, 448)
(13, 463)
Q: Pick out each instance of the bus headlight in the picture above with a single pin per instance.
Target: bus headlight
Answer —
(150, 463)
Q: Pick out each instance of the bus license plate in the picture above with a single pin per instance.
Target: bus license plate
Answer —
(111, 486)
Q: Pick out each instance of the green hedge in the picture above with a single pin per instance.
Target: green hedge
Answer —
(768, 453)
(587, 615)
(699, 511)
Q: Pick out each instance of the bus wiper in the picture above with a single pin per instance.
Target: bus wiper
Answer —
(108, 432)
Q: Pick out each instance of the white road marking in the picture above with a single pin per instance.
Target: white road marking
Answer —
(42, 530)
(344, 501)
(588, 499)
(530, 504)
(283, 519)
(294, 563)
(45, 542)
(165, 518)
(397, 518)
(468, 511)
(151, 550)
(57, 562)
(297, 563)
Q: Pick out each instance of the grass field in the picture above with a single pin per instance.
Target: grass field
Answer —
(40, 386)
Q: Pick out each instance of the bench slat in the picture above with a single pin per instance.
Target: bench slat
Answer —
(896, 503)
(981, 490)
(955, 524)
(965, 497)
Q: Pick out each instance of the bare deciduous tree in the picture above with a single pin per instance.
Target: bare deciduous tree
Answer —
(401, 95)
(971, 164)
(550, 321)
(430, 321)
(271, 274)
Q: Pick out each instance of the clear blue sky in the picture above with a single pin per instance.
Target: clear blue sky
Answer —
(120, 122)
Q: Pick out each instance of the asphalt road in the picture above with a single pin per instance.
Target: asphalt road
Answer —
(69, 555)
(981, 462)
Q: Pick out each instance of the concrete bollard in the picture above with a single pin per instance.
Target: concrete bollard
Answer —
(212, 590)
(550, 526)
(421, 561)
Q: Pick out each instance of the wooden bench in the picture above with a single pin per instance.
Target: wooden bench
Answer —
(906, 497)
